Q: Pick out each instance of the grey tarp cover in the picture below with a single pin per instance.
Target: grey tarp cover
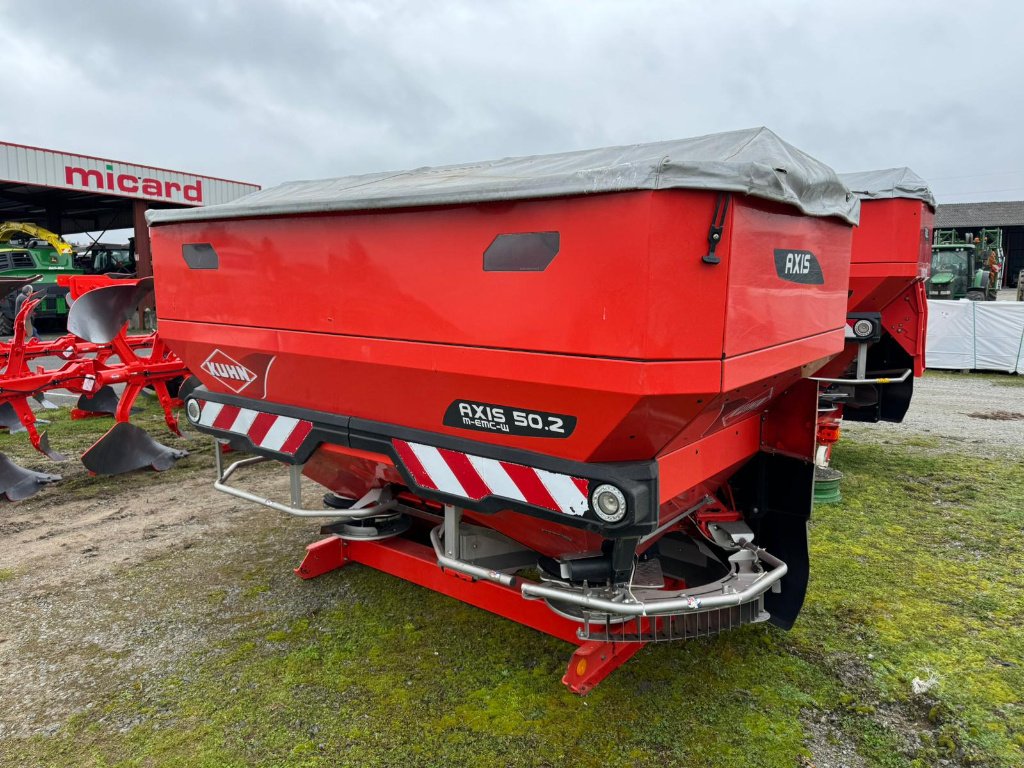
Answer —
(753, 162)
(889, 183)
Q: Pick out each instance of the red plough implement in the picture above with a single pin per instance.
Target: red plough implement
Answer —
(570, 390)
(98, 322)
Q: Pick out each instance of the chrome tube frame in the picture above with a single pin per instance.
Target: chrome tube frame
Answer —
(454, 564)
(881, 380)
(374, 504)
(378, 502)
(688, 601)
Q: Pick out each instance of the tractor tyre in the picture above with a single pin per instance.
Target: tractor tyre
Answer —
(6, 325)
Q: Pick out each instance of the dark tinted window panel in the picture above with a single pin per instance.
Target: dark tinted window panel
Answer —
(200, 256)
(521, 252)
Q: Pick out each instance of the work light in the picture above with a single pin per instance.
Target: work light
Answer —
(609, 503)
(863, 328)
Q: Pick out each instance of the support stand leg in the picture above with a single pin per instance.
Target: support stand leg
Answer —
(322, 557)
(594, 661)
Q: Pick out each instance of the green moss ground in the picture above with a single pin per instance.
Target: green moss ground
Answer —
(1009, 381)
(992, 377)
(918, 572)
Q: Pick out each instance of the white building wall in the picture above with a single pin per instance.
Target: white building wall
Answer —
(48, 168)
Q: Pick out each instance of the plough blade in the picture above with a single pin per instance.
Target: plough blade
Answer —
(100, 314)
(9, 419)
(44, 448)
(126, 448)
(48, 405)
(101, 402)
(17, 483)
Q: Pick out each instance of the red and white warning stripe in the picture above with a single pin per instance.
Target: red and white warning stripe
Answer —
(265, 430)
(475, 477)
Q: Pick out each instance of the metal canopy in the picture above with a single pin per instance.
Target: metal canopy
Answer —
(66, 211)
(69, 193)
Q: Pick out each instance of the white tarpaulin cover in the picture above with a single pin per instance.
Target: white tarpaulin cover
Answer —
(979, 335)
(887, 184)
(752, 162)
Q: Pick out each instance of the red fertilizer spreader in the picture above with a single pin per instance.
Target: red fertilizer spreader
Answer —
(571, 389)
(873, 379)
(888, 311)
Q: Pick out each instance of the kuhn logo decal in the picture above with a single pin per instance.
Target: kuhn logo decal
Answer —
(228, 371)
(798, 267)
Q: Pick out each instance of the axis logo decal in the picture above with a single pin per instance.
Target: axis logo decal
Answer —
(798, 267)
(488, 417)
(228, 371)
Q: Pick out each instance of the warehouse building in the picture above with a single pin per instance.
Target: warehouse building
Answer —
(69, 193)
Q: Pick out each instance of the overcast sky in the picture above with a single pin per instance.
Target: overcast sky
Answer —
(268, 91)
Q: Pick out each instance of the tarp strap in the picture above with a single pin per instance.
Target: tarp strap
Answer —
(717, 225)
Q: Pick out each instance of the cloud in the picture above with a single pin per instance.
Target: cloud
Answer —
(269, 91)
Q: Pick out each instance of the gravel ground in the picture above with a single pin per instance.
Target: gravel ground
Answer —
(107, 592)
(981, 412)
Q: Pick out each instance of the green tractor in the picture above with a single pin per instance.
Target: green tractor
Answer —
(106, 258)
(25, 251)
(959, 268)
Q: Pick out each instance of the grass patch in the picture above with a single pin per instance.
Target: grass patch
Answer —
(916, 568)
(937, 374)
(919, 572)
(1007, 380)
(921, 441)
(256, 591)
(992, 377)
(7, 574)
